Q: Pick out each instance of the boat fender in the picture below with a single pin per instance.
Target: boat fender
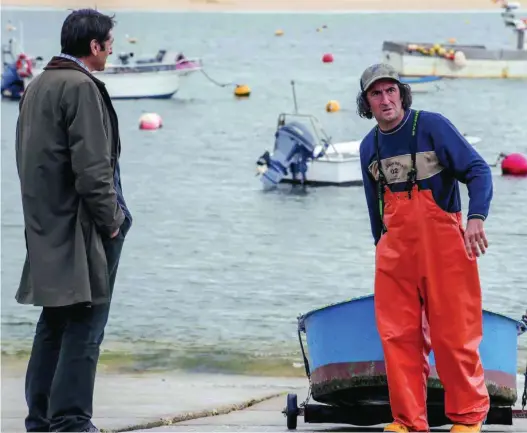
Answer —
(460, 59)
(514, 164)
(23, 66)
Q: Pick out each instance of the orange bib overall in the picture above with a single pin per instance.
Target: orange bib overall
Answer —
(427, 288)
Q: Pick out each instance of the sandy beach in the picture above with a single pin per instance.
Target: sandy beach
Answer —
(266, 5)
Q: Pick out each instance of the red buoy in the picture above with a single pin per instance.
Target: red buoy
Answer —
(514, 164)
(327, 58)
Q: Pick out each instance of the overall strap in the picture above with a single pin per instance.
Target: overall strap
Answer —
(412, 174)
(381, 183)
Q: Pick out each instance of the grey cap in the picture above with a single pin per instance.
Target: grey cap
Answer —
(376, 72)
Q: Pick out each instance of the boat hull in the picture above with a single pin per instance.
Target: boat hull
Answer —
(347, 362)
(422, 84)
(339, 167)
(143, 85)
(480, 62)
(152, 85)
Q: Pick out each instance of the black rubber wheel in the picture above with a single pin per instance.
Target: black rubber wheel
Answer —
(292, 411)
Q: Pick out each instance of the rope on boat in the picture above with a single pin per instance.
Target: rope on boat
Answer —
(217, 83)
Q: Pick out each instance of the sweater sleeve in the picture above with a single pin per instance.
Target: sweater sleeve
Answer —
(457, 155)
(370, 191)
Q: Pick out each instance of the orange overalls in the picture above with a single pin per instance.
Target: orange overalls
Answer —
(427, 286)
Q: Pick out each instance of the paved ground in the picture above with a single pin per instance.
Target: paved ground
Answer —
(189, 403)
(126, 400)
(267, 417)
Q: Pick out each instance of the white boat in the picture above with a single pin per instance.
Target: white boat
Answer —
(461, 61)
(153, 78)
(156, 77)
(339, 165)
(303, 155)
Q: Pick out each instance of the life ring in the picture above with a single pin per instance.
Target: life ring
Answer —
(23, 66)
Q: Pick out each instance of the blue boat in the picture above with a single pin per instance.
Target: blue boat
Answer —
(421, 84)
(346, 370)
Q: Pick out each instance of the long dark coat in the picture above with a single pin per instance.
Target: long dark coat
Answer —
(67, 145)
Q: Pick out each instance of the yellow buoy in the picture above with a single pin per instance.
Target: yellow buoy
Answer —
(242, 90)
(279, 32)
(332, 106)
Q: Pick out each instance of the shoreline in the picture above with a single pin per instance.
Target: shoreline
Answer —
(119, 365)
(270, 6)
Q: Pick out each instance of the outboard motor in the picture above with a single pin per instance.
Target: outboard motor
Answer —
(294, 146)
(12, 84)
(125, 57)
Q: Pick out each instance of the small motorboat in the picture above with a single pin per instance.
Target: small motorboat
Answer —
(302, 157)
(304, 154)
(17, 70)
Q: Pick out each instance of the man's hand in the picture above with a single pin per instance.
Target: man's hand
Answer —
(114, 234)
(475, 240)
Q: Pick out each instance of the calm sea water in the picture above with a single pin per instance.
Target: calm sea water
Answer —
(214, 271)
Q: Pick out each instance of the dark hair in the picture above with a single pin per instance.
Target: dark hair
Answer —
(364, 109)
(81, 27)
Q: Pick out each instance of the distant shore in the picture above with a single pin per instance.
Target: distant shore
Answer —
(265, 5)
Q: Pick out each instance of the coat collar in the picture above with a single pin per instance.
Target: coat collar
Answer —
(58, 62)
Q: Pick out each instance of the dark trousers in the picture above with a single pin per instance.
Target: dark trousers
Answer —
(61, 372)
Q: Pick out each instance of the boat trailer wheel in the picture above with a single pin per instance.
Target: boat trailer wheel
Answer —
(291, 411)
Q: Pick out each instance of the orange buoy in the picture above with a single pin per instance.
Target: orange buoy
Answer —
(242, 90)
(150, 121)
(327, 58)
(332, 106)
(514, 164)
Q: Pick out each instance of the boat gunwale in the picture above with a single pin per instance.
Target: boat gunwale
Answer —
(303, 317)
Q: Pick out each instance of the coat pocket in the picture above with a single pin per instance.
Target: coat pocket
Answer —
(96, 258)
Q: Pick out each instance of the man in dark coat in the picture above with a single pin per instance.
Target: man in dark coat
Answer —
(76, 220)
